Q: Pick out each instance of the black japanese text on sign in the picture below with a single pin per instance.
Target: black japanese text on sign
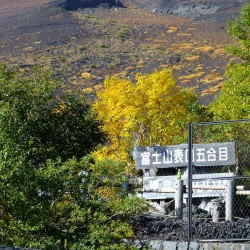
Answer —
(212, 154)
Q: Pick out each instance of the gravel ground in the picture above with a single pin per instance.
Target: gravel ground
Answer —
(160, 227)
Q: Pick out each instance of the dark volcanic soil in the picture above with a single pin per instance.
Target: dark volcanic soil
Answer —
(41, 24)
(9, 7)
(152, 227)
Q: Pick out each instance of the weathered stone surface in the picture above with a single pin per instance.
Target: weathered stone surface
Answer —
(169, 245)
(194, 246)
(155, 244)
(183, 246)
(246, 247)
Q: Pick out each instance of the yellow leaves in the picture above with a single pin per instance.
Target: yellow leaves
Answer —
(191, 29)
(172, 29)
(144, 113)
(28, 49)
(199, 67)
(212, 90)
(192, 58)
(140, 64)
(102, 153)
(121, 74)
(129, 68)
(107, 192)
(86, 75)
(178, 67)
(98, 87)
(205, 49)
(187, 46)
(87, 90)
(113, 106)
(62, 106)
(184, 34)
(220, 51)
(190, 76)
(212, 78)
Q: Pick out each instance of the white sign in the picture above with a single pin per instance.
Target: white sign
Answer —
(207, 185)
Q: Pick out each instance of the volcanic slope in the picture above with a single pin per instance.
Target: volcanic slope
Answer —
(86, 45)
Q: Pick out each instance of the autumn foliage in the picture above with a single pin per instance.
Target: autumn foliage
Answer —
(152, 110)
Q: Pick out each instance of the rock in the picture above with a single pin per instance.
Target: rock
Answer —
(169, 245)
(78, 4)
(195, 9)
(199, 10)
(215, 207)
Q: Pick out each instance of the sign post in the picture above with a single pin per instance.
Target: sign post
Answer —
(188, 158)
(190, 175)
(212, 154)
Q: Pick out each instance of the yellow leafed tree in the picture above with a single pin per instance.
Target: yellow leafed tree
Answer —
(154, 110)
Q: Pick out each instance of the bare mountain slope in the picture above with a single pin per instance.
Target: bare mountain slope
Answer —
(113, 37)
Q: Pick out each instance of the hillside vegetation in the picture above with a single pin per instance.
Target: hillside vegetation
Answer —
(86, 45)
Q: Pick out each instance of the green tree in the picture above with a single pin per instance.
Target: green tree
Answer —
(240, 29)
(233, 101)
(75, 204)
(53, 194)
(39, 121)
(50, 197)
(154, 110)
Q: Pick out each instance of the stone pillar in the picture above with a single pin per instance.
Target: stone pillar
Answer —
(179, 199)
